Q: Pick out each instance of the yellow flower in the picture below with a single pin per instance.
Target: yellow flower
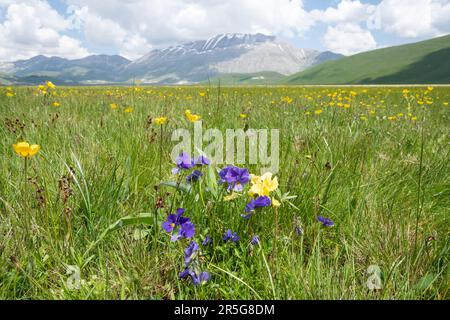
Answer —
(263, 185)
(287, 99)
(202, 94)
(191, 117)
(364, 118)
(128, 110)
(446, 104)
(318, 112)
(56, 104)
(50, 85)
(413, 118)
(25, 150)
(114, 106)
(231, 197)
(275, 203)
(430, 88)
(160, 120)
(10, 94)
(242, 116)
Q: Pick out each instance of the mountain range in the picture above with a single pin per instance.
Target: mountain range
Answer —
(192, 62)
(243, 59)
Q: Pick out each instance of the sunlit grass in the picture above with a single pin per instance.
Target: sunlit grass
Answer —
(374, 160)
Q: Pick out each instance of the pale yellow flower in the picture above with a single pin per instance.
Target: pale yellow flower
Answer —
(263, 185)
(231, 197)
(275, 203)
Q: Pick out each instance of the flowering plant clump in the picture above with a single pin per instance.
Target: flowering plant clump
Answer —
(199, 186)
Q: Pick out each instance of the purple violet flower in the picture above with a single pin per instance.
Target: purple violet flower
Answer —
(187, 230)
(207, 241)
(257, 203)
(174, 220)
(326, 222)
(255, 240)
(201, 278)
(229, 235)
(183, 162)
(235, 177)
(202, 161)
(189, 253)
(194, 176)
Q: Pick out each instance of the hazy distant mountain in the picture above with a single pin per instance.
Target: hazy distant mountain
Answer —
(223, 54)
(196, 61)
(96, 67)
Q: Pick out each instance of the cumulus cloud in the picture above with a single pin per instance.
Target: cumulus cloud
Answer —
(166, 22)
(347, 11)
(348, 39)
(414, 18)
(33, 27)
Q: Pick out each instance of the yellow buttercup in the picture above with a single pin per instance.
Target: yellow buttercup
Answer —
(24, 149)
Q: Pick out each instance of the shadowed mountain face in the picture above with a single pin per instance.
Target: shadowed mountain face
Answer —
(432, 68)
(192, 62)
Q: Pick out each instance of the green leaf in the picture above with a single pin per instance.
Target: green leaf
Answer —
(211, 181)
(181, 186)
(142, 218)
(425, 282)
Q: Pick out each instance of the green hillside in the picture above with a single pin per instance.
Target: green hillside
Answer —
(418, 63)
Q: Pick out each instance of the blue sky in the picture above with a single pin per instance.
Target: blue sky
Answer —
(76, 28)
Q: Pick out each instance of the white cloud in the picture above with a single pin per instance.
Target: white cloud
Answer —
(135, 47)
(33, 27)
(347, 11)
(347, 39)
(414, 19)
(166, 22)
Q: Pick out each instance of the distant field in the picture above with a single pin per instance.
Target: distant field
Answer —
(373, 160)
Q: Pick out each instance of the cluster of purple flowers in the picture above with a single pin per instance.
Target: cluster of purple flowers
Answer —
(185, 162)
(189, 255)
(234, 177)
(186, 228)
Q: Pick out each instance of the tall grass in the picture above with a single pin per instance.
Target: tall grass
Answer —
(385, 184)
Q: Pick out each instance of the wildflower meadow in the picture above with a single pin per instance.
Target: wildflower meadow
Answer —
(96, 204)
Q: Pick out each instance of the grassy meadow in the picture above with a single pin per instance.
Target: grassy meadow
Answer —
(374, 160)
